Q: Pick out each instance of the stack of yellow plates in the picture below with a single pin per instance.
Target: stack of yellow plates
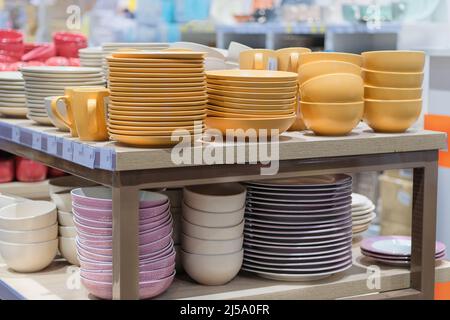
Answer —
(393, 89)
(251, 99)
(155, 95)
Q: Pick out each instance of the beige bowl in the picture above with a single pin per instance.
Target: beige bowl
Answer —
(330, 119)
(394, 61)
(67, 183)
(63, 200)
(28, 215)
(226, 197)
(333, 88)
(65, 219)
(213, 220)
(67, 232)
(213, 247)
(392, 116)
(32, 236)
(331, 56)
(29, 257)
(206, 233)
(212, 270)
(393, 79)
(379, 93)
(311, 70)
(68, 249)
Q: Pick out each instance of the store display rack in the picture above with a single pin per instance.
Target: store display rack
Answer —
(128, 170)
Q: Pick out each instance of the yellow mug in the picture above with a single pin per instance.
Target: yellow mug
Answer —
(69, 120)
(289, 58)
(258, 59)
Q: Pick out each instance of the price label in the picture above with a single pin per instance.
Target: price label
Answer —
(52, 145)
(106, 159)
(15, 136)
(67, 150)
(37, 141)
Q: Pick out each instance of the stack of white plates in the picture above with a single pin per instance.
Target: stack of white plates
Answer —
(91, 57)
(45, 81)
(363, 213)
(109, 48)
(12, 94)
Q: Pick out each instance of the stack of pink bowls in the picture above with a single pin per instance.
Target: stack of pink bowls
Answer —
(11, 46)
(92, 208)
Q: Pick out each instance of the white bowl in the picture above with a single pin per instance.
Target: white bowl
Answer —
(206, 233)
(213, 247)
(29, 257)
(63, 200)
(67, 232)
(28, 215)
(212, 270)
(32, 236)
(65, 219)
(213, 220)
(68, 183)
(68, 249)
(226, 197)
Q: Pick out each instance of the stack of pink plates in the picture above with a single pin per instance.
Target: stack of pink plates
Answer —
(92, 208)
(394, 250)
(299, 229)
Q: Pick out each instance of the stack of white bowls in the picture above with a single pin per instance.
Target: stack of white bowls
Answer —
(12, 94)
(91, 57)
(92, 208)
(176, 199)
(60, 189)
(28, 235)
(363, 213)
(212, 232)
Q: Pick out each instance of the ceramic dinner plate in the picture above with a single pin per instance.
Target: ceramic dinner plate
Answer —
(264, 256)
(11, 76)
(127, 110)
(13, 112)
(148, 141)
(157, 90)
(119, 99)
(302, 264)
(155, 133)
(152, 124)
(40, 119)
(314, 182)
(156, 85)
(158, 104)
(393, 245)
(295, 198)
(112, 112)
(150, 94)
(288, 101)
(159, 61)
(141, 70)
(10, 87)
(155, 119)
(212, 113)
(62, 85)
(266, 223)
(251, 89)
(363, 212)
(147, 75)
(58, 70)
(295, 242)
(157, 55)
(252, 106)
(255, 95)
(251, 112)
(316, 249)
(122, 66)
(300, 231)
(153, 129)
(252, 75)
(137, 81)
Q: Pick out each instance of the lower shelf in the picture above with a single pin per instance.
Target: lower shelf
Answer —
(61, 281)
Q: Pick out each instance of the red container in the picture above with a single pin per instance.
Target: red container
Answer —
(30, 171)
(11, 44)
(42, 53)
(55, 173)
(67, 43)
(6, 170)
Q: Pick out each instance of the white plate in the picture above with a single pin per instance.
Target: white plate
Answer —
(14, 112)
(299, 232)
(289, 228)
(299, 251)
(393, 246)
(262, 255)
(296, 207)
(63, 85)
(275, 242)
(11, 87)
(11, 76)
(6, 94)
(369, 219)
(297, 219)
(298, 213)
(303, 239)
(292, 198)
(328, 267)
(363, 212)
(39, 119)
(359, 200)
(58, 70)
(13, 104)
(305, 264)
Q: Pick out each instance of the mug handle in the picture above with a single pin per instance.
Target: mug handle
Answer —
(68, 122)
(259, 61)
(294, 61)
(92, 115)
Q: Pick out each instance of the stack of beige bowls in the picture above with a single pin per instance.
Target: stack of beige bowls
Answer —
(363, 214)
(212, 232)
(60, 189)
(393, 89)
(91, 57)
(12, 95)
(155, 95)
(331, 91)
(28, 235)
(251, 100)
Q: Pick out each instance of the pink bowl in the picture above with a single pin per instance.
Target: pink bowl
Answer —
(101, 198)
(11, 36)
(41, 53)
(68, 37)
(147, 289)
(144, 276)
(106, 215)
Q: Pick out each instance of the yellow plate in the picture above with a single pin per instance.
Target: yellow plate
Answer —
(333, 88)
(156, 119)
(180, 90)
(158, 55)
(274, 112)
(251, 101)
(393, 79)
(223, 124)
(394, 61)
(171, 124)
(14, 112)
(379, 93)
(140, 76)
(333, 56)
(143, 62)
(159, 104)
(115, 93)
(252, 75)
(119, 99)
(252, 84)
(141, 70)
(157, 85)
(152, 129)
(114, 113)
(155, 133)
(249, 95)
(172, 65)
(392, 116)
(148, 141)
(156, 109)
(315, 69)
(212, 113)
(252, 90)
(138, 81)
(332, 119)
(252, 106)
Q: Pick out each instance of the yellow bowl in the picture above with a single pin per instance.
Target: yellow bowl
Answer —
(333, 56)
(281, 124)
(332, 119)
(379, 93)
(333, 88)
(394, 61)
(394, 116)
(393, 79)
(315, 69)
(253, 95)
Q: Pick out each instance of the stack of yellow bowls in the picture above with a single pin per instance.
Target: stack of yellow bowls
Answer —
(251, 99)
(393, 89)
(155, 95)
(331, 92)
